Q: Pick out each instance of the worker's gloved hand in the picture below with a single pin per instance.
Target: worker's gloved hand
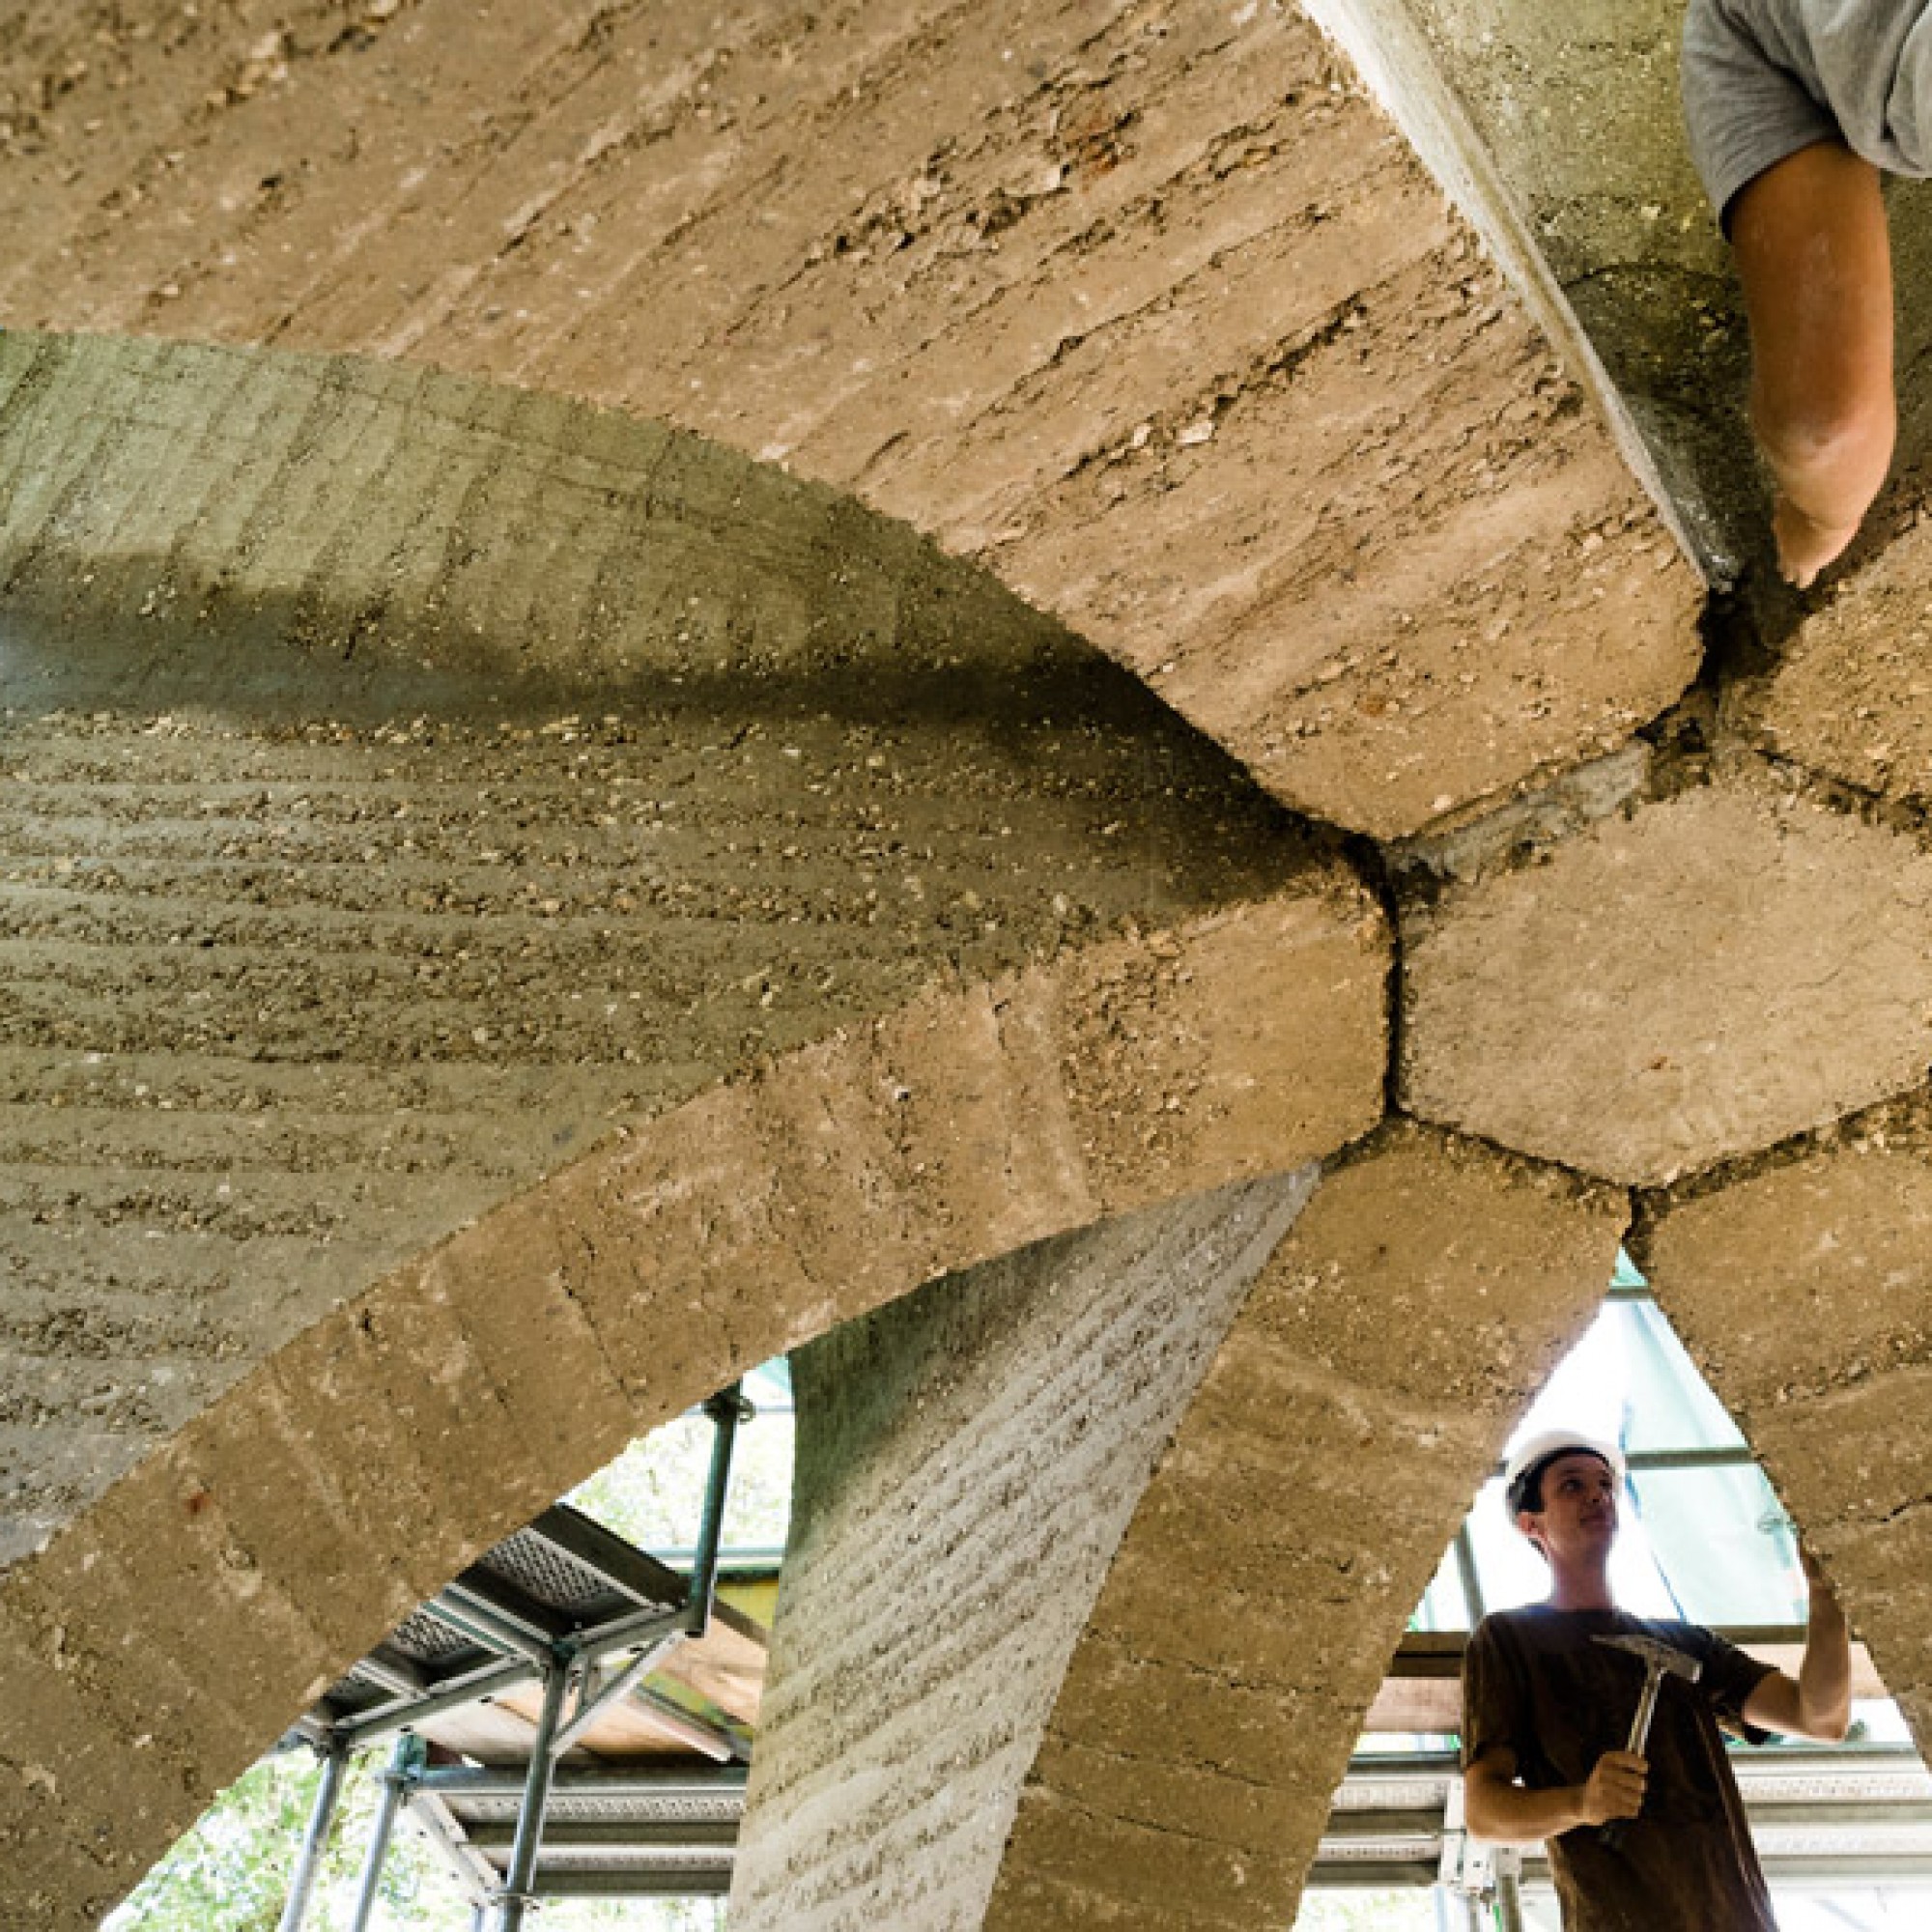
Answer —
(1615, 1788)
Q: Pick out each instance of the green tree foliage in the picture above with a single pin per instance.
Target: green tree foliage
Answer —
(639, 1915)
(654, 1493)
(231, 1871)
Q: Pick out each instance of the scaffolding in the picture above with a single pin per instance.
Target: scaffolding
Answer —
(570, 1616)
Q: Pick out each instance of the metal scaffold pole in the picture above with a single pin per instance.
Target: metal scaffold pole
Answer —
(516, 1898)
(320, 1818)
(1509, 1891)
(728, 1408)
(405, 1768)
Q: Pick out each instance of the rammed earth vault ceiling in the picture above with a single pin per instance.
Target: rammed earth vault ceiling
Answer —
(669, 673)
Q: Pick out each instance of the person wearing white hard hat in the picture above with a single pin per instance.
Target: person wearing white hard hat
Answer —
(1547, 1706)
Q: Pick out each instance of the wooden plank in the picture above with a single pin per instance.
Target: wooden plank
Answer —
(725, 1668)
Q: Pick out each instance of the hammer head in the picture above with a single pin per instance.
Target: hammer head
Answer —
(1658, 1656)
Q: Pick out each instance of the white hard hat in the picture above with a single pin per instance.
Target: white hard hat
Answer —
(1530, 1457)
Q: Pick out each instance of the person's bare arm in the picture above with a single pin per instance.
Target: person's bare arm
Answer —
(1815, 262)
(1817, 1703)
(1504, 1812)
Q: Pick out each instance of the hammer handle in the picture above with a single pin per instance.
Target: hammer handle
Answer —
(1646, 1709)
(1612, 1833)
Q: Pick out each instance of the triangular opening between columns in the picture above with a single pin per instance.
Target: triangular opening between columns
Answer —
(1845, 1833)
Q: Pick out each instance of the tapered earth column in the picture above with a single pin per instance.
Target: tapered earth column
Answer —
(1803, 1289)
(513, 916)
(1357, 1403)
(946, 1752)
(968, 1462)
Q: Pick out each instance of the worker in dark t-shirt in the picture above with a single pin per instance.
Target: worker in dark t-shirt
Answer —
(1547, 1709)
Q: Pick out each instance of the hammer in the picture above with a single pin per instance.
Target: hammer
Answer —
(1657, 1660)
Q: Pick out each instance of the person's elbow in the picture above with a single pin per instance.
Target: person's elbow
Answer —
(1831, 1724)
(1486, 1804)
(1779, 1704)
(1479, 1809)
(1829, 449)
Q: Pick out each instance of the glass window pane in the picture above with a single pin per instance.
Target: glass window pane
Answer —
(1667, 1403)
(1723, 1542)
(1588, 1389)
(768, 1384)
(1443, 1607)
(1512, 1574)
(1625, 1274)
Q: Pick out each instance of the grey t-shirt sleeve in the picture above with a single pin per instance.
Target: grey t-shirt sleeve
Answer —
(1745, 111)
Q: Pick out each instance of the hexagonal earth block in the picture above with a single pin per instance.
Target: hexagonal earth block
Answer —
(1716, 973)
(1849, 692)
